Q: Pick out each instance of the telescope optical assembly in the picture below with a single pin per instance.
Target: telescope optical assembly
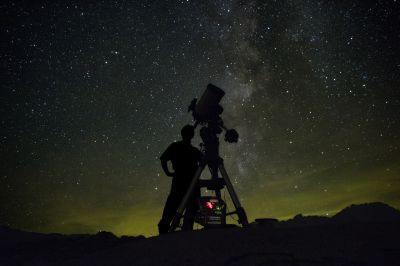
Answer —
(207, 108)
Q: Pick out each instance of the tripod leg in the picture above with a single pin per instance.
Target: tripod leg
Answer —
(185, 200)
(239, 209)
(214, 176)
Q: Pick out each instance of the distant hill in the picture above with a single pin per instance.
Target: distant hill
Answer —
(10, 236)
(375, 212)
(368, 212)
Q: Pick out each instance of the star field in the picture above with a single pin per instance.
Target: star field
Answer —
(93, 93)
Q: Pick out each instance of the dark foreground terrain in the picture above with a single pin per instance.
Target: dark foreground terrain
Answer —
(366, 234)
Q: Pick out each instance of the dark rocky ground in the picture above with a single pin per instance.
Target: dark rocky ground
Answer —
(367, 234)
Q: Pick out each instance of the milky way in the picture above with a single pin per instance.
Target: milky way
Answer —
(93, 93)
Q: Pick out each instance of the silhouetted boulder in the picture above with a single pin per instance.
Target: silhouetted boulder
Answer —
(265, 221)
(130, 238)
(300, 219)
(104, 236)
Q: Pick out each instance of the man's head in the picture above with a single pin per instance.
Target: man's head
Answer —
(187, 132)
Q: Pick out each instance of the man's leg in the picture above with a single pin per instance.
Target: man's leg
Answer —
(191, 211)
(169, 211)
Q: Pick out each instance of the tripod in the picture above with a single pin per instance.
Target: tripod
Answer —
(215, 164)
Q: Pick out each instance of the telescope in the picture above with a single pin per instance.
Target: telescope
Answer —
(212, 209)
(208, 111)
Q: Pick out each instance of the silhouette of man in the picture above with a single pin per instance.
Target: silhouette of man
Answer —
(185, 159)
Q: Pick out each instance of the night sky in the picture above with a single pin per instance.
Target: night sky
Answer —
(92, 93)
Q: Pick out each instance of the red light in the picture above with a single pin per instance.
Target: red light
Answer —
(209, 205)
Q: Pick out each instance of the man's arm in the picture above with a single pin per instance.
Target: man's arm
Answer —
(165, 157)
(164, 164)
